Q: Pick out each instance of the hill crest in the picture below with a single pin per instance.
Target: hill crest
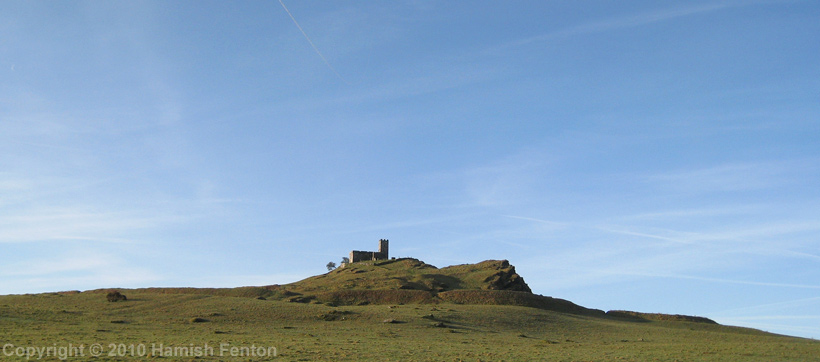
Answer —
(414, 274)
(412, 281)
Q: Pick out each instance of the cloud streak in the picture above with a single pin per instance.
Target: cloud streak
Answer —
(82, 268)
(728, 177)
(311, 42)
(626, 22)
(61, 224)
(796, 317)
(595, 254)
(733, 281)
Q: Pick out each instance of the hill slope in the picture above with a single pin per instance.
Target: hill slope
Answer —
(406, 281)
(160, 323)
(400, 309)
(412, 281)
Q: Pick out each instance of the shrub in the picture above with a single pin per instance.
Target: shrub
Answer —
(116, 296)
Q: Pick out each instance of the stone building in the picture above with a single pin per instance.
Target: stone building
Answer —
(357, 255)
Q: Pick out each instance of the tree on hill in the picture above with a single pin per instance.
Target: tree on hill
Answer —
(330, 266)
(345, 260)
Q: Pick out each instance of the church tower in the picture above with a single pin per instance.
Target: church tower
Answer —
(383, 249)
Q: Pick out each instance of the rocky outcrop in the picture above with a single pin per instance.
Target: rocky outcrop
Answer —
(504, 277)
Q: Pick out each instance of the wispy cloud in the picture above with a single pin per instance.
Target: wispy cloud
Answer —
(795, 317)
(735, 281)
(809, 328)
(427, 79)
(403, 224)
(126, 277)
(60, 224)
(48, 266)
(747, 235)
(505, 181)
(769, 307)
(728, 177)
(777, 317)
(597, 267)
(556, 224)
(84, 268)
(594, 252)
(689, 213)
(624, 22)
(621, 230)
(311, 42)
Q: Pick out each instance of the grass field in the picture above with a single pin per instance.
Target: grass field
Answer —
(172, 324)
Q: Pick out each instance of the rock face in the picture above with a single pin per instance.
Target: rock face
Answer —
(505, 277)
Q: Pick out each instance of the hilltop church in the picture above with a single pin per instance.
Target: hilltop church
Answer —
(357, 255)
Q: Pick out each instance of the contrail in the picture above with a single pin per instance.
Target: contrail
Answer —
(311, 42)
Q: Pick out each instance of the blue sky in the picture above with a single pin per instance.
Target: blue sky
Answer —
(641, 155)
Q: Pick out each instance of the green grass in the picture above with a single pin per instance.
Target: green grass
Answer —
(394, 310)
(423, 332)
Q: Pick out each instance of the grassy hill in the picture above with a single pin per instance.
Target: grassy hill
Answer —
(398, 310)
(411, 281)
(413, 274)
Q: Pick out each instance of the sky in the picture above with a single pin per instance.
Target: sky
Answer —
(639, 155)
